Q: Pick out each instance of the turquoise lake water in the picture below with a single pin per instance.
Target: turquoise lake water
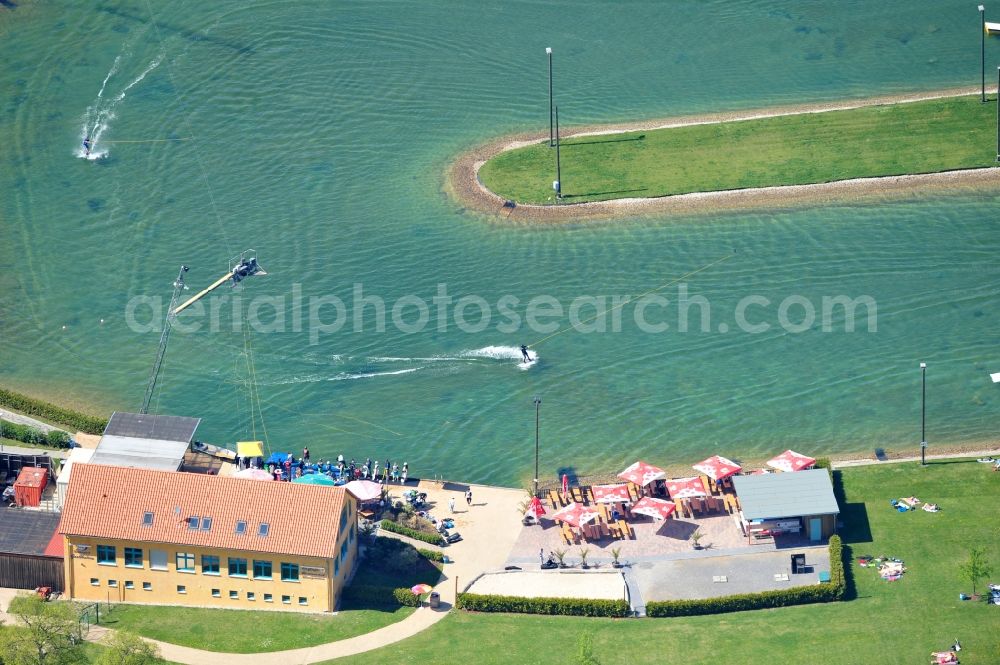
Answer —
(318, 135)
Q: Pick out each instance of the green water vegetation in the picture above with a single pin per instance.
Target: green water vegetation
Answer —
(879, 623)
(894, 139)
(387, 568)
(51, 413)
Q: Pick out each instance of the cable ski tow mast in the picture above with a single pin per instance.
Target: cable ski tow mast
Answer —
(240, 267)
(162, 348)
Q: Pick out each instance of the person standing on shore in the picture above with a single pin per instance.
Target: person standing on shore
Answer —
(305, 455)
(451, 504)
(468, 496)
(406, 470)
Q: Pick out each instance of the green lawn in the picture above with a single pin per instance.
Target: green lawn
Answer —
(918, 137)
(245, 631)
(883, 622)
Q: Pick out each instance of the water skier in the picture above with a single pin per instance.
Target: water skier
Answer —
(86, 146)
(525, 354)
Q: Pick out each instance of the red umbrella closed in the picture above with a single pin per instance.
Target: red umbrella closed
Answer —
(686, 488)
(717, 468)
(535, 508)
(565, 484)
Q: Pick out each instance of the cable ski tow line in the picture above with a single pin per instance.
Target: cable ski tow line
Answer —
(186, 138)
(641, 295)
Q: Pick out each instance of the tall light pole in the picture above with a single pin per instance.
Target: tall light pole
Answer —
(982, 46)
(557, 185)
(923, 413)
(998, 114)
(538, 402)
(548, 51)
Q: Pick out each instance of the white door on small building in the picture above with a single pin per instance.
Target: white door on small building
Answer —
(815, 529)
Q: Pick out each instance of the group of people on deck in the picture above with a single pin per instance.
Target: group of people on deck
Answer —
(292, 467)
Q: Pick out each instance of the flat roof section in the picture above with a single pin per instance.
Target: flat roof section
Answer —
(27, 531)
(777, 495)
(155, 454)
(146, 426)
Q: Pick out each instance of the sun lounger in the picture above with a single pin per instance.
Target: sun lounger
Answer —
(625, 529)
(705, 482)
(577, 495)
(554, 500)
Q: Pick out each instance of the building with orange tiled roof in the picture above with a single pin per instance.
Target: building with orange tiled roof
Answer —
(148, 536)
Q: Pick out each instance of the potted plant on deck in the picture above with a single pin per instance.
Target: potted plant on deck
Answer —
(584, 551)
(615, 554)
(696, 539)
(560, 555)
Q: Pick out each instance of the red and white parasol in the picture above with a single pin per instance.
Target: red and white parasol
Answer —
(642, 474)
(364, 490)
(655, 508)
(575, 514)
(686, 488)
(611, 493)
(535, 508)
(717, 468)
(790, 460)
(565, 484)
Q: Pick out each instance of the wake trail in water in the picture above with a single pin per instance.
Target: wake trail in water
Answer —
(98, 116)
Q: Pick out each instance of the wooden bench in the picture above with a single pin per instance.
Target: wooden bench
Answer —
(624, 529)
(555, 500)
(577, 495)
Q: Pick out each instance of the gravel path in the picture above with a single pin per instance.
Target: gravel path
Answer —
(462, 181)
(13, 417)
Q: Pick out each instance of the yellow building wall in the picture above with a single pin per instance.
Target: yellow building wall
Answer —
(317, 590)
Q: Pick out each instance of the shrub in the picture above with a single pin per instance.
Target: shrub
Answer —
(36, 407)
(379, 596)
(433, 539)
(431, 554)
(392, 555)
(17, 432)
(587, 607)
(817, 593)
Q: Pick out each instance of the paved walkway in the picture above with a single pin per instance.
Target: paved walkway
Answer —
(489, 528)
(14, 417)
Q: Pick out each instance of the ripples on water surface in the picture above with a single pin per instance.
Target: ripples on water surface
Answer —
(318, 136)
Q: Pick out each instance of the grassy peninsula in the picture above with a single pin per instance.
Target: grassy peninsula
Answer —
(927, 136)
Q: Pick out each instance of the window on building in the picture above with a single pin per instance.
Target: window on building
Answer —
(113, 584)
(343, 551)
(241, 527)
(209, 564)
(261, 570)
(95, 582)
(287, 600)
(352, 533)
(206, 523)
(193, 522)
(133, 557)
(147, 586)
(147, 519)
(185, 562)
(216, 593)
(263, 529)
(303, 601)
(344, 515)
(251, 595)
(129, 584)
(234, 595)
(158, 559)
(237, 567)
(336, 567)
(181, 588)
(107, 555)
(268, 598)
(289, 572)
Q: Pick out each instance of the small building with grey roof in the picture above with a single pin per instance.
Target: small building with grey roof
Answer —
(778, 503)
(141, 440)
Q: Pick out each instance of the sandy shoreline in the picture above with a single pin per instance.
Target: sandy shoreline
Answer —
(462, 178)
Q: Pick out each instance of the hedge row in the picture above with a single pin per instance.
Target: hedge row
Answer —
(586, 607)
(817, 593)
(56, 438)
(431, 554)
(36, 407)
(380, 596)
(431, 538)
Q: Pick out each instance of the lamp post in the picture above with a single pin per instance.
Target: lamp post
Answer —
(538, 403)
(557, 185)
(923, 413)
(548, 52)
(982, 47)
(998, 114)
